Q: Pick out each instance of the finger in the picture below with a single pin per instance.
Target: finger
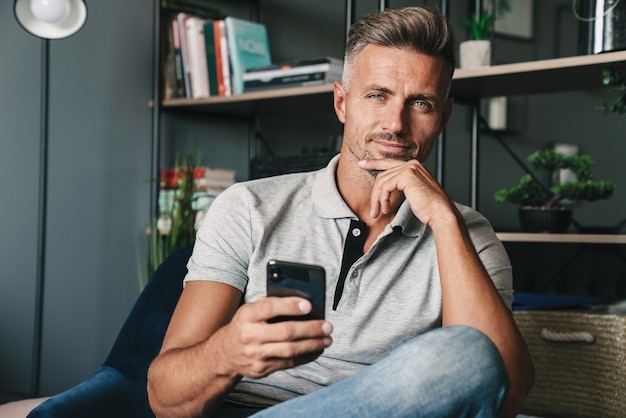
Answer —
(270, 307)
(385, 185)
(380, 164)
(282, 356)
(296, 330)
(302, 350)
(264, 358)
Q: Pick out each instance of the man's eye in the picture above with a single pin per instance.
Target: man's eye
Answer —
(422, 105)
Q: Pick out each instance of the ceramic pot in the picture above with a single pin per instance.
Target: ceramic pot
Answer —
(474, 54)
(555, 220)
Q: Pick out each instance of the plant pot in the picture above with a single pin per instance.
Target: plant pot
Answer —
(474, 54)
(555, 220)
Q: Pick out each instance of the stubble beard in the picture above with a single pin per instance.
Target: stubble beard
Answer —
(366, 154)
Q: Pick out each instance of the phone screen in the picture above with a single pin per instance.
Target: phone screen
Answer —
(296, 279)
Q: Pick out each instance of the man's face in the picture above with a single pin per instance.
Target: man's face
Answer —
(396, 105)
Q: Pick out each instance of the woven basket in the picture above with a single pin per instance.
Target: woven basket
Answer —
(580, 363)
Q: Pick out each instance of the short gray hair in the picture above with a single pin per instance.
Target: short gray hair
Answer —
(420, 29)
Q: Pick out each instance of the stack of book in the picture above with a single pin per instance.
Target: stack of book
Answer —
(207, 56)
(208, 183)
(293, 74)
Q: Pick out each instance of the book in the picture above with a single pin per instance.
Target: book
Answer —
(295, 73)
(295, 67)
(224, 80)
(211, 60)
(184, 51)
(198, 70)
(173, 84)
(248, 47)
(298, 80)
(216, 179)
(208, 183)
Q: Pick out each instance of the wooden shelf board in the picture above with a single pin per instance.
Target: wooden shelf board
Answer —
(279, 93)
(563, 238)
(570, 73)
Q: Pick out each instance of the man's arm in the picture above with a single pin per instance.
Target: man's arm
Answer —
(469, 295)
(212, 342)
(470, 298)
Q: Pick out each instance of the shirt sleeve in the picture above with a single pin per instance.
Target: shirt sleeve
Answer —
(491, 252)
(223, 243)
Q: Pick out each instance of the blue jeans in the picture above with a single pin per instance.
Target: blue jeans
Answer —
(448, 372)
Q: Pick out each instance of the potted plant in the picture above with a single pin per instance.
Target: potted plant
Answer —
(542, 208)
(476, 52)
(175, 227)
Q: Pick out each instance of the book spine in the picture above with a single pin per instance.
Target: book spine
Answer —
(225, 59)
(168, 78)
(184, 50)
(198, 71)
(209, 46)
(284, 81)
(221, 88)
(269, 74)
(301, 65)
(203, 69)
(178, 61)
(235, 64)
(300, 80)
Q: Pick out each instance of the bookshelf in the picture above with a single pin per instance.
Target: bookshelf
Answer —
(469, 85)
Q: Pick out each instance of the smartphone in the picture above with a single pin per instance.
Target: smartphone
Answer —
(295, 279)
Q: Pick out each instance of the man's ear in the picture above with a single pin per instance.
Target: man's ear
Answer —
(339, 101)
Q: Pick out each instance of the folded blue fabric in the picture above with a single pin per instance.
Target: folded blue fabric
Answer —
(538, 301)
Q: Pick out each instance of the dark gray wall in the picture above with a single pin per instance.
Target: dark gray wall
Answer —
(98, 198)
(19, 156)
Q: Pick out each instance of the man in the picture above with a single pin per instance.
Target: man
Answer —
(419, 290)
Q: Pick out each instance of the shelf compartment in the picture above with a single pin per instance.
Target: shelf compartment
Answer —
(571, 73)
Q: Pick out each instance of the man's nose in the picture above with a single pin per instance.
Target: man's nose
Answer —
(394, 118)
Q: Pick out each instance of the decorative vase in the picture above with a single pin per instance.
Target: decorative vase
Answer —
(554, 220)
(474, 54)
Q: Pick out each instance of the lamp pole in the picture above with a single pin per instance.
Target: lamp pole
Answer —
(41, 215)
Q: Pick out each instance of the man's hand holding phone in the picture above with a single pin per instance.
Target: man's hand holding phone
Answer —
(281, 331)
(257, 347)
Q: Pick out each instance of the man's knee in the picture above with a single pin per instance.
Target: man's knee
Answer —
(459, 364)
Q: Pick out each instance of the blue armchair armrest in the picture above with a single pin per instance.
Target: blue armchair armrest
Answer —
(118, 388)
(106, 394)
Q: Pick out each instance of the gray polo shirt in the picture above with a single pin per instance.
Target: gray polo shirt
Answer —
(391, 294)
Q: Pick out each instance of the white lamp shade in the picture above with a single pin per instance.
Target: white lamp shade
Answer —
(57, 25)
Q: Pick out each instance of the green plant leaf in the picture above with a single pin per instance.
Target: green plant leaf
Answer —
(528, 192)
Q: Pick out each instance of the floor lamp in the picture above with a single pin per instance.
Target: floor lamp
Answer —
(45, 19)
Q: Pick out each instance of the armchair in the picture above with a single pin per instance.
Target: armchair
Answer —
(118, 388)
